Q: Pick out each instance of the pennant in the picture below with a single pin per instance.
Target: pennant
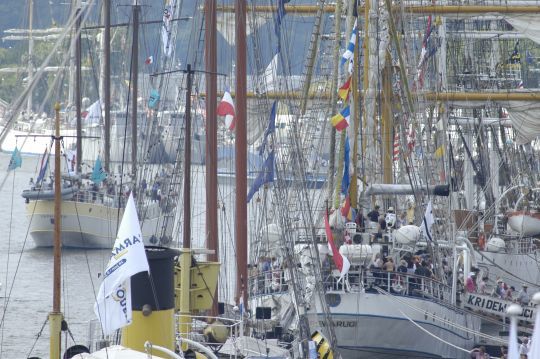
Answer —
(427, 222)
(98, 174)
(149, 60)
(345, 90)
(113, 302)
(153, 99)
(342, 263)
(439, 152)
(346, 180)
(349, 52)
(270, 129)
(94, 113)
(341, 120)
(43, 166)
(265, 176)
(15, 160)
(226, 108)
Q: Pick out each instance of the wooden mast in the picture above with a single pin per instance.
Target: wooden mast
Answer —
(185, 256)
(211, 137)
(241, 151)
(107, 79)
(134, 88)
(55, 317)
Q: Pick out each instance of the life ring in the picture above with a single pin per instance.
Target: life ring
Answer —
(482, 241)
(397, 285)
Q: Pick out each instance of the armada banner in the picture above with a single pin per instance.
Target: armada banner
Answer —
(128, 257)
(492, 305)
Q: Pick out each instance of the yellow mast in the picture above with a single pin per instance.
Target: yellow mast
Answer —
(414, 9)
(56, 317)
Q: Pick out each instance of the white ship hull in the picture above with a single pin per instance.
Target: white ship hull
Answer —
(369, 325)
(88, 225)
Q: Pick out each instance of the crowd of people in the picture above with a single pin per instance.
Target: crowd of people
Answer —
(500, 290)
(523, 350)
(268, 276)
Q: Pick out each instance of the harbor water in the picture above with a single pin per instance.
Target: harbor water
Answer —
(26, 272)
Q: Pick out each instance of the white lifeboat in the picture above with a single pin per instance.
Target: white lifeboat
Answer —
(356, 253)
(495, 244)
(524, 223)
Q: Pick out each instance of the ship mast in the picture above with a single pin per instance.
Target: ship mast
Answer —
(241, 151)
(30, 54)
(211, 137)
(185, 256)
(134, 88)
(107, 81)
(78, 80)
(56, 317)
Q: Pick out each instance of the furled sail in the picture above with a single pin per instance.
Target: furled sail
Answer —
(527, 24)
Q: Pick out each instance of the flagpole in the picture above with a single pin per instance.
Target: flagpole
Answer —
(56, 317)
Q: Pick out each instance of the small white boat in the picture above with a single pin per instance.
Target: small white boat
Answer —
(35, 193)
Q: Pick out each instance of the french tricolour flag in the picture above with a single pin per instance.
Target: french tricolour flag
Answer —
(226, 108)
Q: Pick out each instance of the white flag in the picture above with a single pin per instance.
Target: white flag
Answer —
(113, 305)
(270, 74)
(166, 28)
(94, 114)
(427, 222)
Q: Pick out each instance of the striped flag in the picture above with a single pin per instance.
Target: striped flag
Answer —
(345, 90)
(342, 119)
(395, 153)
(349, 53)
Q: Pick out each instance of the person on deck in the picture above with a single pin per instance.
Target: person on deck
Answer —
(470, 284)
(360, 221)
(523, 297)
(374, 215)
